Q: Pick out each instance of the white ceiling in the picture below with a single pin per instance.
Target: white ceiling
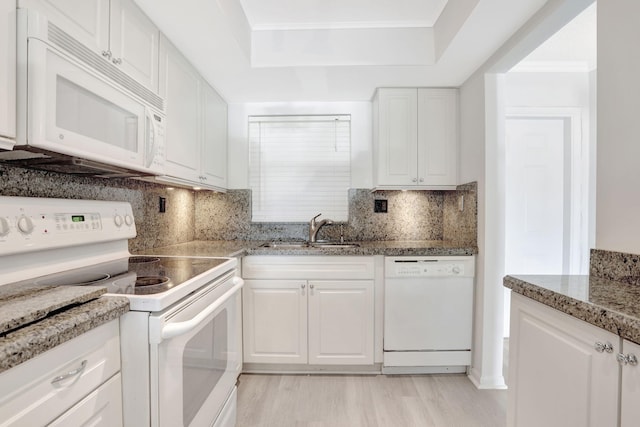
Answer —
(573, 48)
(335, 50)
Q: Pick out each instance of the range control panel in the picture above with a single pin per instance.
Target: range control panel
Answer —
(29, 224)
(462, 266)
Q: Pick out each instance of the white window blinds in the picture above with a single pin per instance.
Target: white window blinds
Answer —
(300, 166)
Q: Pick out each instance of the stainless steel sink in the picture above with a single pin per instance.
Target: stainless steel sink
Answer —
(317, 245)
(330, 245)
(285, 245)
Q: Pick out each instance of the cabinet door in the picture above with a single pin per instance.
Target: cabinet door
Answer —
(275, 321)
(341, 322)
(437, 137)
(556, 377)
(630, 391)
(7, 73)
(134, 43)
(85, 20)
(214, 140)
(180, 87)
(397, 137)
(101, 408)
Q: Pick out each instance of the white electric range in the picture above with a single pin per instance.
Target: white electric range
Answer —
(179, 346)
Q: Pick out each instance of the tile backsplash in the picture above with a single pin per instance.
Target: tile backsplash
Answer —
(204, 215)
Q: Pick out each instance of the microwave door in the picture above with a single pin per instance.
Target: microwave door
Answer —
(72, 111)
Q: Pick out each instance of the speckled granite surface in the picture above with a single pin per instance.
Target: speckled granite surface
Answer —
(412, 215)
(611, 305)
(154, 228)
(24, 343)
(618, 266)
(20, 304)
(252, 247)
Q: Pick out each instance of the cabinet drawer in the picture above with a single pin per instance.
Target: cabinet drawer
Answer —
(30, 394)
(307, 267)
(101, 408)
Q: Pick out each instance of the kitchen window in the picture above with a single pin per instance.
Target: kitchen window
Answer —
(299, 166)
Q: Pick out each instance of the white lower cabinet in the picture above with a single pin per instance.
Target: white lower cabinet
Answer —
(630, 387)
(563, 371)
(75, 383)
(309, 320)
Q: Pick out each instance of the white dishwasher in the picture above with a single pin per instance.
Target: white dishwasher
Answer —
(428, 312)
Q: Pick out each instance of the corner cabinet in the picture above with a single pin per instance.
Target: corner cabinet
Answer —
(116, 30)
(565, 372)
(7, 74)
(314, 310)
(196, 129)
(415, 137)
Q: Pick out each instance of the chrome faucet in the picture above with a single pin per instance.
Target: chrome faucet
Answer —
(314, 227)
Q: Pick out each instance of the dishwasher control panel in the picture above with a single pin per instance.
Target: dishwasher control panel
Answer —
(429, 266)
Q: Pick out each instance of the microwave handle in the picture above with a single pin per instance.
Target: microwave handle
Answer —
(174, 329)
(152, 135)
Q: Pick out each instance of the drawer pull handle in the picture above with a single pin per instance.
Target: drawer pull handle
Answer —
(76, 372)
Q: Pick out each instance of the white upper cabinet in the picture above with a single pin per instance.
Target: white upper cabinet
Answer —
(196, 130)
(117, 30)
(180, 89)
(7, 74)
(415, 138)
(134, 43)
(214, 138)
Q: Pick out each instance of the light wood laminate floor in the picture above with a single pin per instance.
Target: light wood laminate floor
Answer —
(381, 401)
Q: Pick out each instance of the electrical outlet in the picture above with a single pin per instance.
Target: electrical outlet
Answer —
(461, 203)
(162, 205)
(380, 206)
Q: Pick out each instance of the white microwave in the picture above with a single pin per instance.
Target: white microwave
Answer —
(77, 113)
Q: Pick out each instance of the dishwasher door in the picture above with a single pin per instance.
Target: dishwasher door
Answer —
(428, 312)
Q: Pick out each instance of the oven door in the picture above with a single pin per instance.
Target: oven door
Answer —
(194, 356)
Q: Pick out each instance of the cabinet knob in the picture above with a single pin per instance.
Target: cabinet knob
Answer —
(303, 286)
(117, 61)
(310, 286)
(627, 359)
(106, 54)
(602, 347)
(414, 180)
(421, 179)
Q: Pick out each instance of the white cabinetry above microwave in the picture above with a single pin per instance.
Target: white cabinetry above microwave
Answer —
(196, 133)
(117, 30)
(415, 138)
(7, 75)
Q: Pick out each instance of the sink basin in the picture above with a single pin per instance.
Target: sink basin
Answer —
(285, 245)
(329, 245)
(317, 245)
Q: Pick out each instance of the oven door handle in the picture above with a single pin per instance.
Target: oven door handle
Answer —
(174, 329)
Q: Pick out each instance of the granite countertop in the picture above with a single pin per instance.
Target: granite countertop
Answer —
(608, 304)
(35, 318)
(254, 247)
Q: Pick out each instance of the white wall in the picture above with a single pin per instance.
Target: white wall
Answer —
(618, 161)
(361, 136)
(482, 146)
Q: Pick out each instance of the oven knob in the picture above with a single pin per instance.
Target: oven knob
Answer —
(455, 269)
(117, 220)
(4, 227)
(128, 219)
(25, 225)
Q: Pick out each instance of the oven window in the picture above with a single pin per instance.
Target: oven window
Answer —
(204, 362)
(85, 113)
